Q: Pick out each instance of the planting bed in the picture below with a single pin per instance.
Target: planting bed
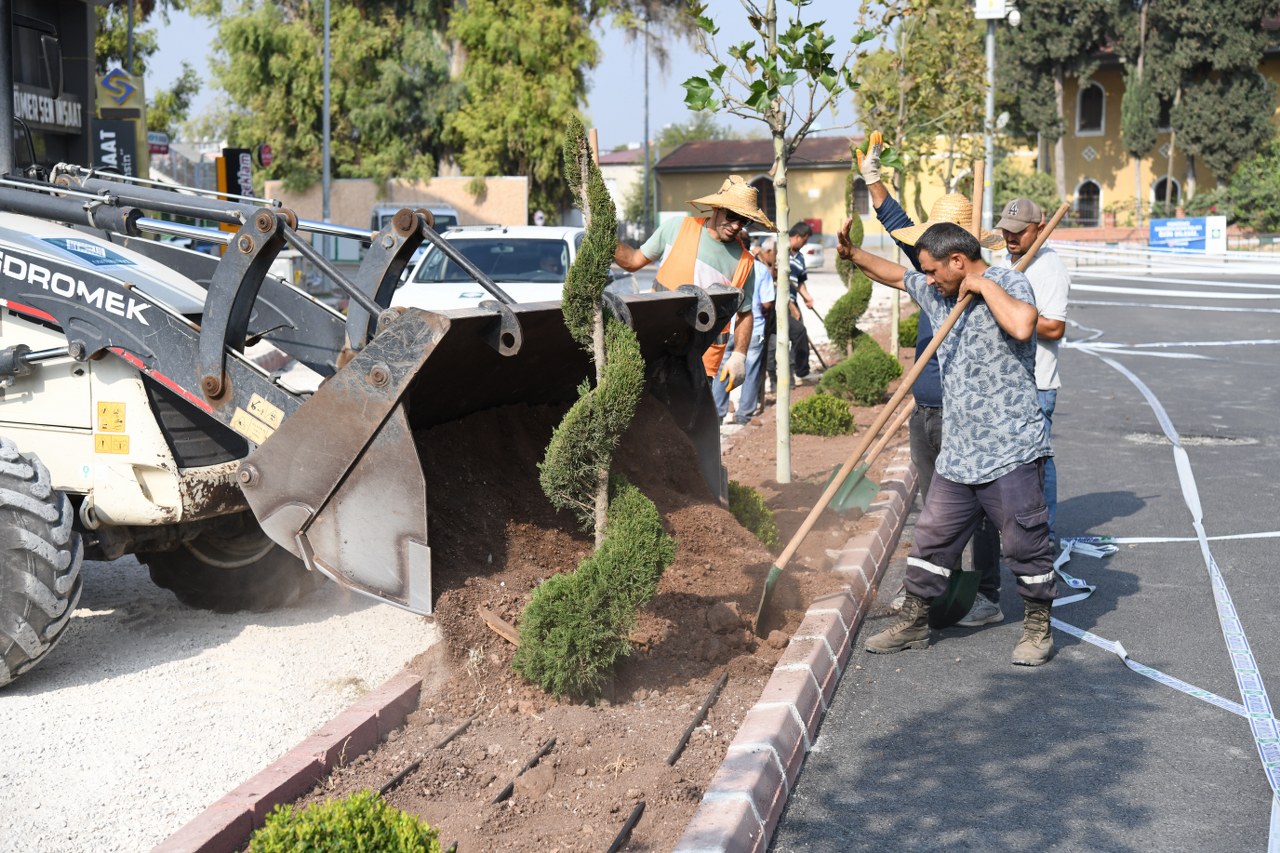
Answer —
(500, 540)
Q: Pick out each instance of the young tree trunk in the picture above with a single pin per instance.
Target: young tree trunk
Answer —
(1168, 169)
(602, 473)
(782, 308)
(1059, 145)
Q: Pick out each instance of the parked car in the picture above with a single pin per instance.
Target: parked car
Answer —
(529, 262)
(815, 257)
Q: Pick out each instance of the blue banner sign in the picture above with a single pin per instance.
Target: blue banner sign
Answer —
(1187, 235)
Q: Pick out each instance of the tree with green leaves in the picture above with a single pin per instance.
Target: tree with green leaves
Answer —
(1056, 39)
(390, 86)
(927, 82)
(525, 75)
(167, 109)
(1203, 60)
(786, 79)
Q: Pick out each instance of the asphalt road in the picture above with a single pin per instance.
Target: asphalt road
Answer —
(953, 748)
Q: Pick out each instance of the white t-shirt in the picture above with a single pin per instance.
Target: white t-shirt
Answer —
(1050, 282)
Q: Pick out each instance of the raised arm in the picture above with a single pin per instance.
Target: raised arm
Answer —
(877, 268)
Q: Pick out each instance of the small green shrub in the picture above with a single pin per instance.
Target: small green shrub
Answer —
(748, 506)
(841, 321)
(362, 821)
(822, 414)
(864, 376)
(907, 328)
(575, 627)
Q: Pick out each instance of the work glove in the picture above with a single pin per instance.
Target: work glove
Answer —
(733, 370)
(869, 163)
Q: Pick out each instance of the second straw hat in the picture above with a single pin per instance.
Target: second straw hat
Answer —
(955, 208)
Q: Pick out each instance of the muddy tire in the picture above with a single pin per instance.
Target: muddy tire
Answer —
(235, 567)
(40, 558)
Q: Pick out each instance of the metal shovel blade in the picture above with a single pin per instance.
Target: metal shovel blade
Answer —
(857, 492)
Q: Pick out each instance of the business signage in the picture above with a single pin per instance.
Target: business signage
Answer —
(115, 146)
(42, 112)
(1200, 234)
(121, 90)
(157, 142)
(235, 173)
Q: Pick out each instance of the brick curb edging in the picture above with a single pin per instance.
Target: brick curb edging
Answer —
(225, 826)
(744, 800)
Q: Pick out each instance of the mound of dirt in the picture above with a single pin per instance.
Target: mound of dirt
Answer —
(494, 537)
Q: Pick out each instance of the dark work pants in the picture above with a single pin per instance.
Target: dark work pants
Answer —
(926, 442)
(799, 350)
(1014, 503)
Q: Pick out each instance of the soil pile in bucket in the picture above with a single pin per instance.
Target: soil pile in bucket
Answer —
(494, 537)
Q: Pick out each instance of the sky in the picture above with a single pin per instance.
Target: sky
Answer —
(615, 103)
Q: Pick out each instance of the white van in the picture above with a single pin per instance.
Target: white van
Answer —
(445, 216)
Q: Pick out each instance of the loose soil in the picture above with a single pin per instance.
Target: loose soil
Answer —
(495, 537)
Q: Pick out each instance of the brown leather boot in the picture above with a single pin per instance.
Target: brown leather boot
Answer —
(911, 631)
(1036, 645)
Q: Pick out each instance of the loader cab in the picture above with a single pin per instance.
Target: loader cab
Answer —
(53, 83)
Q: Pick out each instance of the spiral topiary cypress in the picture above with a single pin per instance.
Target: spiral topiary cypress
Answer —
(575, 627)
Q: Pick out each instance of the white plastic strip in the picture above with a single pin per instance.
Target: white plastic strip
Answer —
(1221, 308)
(1154, 674)
(1262, 722)
(1177, 294)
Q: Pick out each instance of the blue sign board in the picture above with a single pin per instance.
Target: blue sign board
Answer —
(1187, 235)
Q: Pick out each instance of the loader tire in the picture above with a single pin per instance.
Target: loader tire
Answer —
(40, 557)
(233, 569)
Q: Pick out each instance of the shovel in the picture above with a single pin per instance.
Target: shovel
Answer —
(857, 491)
(775, 571)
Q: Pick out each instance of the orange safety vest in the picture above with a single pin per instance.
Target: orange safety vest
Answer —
(677, 269)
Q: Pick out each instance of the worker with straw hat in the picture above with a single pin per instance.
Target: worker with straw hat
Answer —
(994, 436)
(707, 250)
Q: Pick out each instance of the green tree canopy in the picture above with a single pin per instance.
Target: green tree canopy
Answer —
(389, 85)
(525, 75)
(927, 81)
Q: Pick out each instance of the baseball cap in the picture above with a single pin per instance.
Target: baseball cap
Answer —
(1018, 214)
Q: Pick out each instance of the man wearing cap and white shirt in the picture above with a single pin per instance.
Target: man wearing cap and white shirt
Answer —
(709, 250)
(1020, 223)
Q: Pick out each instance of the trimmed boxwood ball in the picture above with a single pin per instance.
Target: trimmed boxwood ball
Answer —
(749, 508)
(864, 376)
(822, 414)
(907, 329)
(362, 821)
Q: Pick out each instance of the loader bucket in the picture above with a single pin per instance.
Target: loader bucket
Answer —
(339, 483)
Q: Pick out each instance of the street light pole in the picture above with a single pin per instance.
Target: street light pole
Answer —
(644, 219)
(324, 121)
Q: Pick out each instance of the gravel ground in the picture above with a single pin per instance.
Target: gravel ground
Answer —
(148, 711)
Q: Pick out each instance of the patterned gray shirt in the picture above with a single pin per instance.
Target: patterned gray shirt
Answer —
(991, 418)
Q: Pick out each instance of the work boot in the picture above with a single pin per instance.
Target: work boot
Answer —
(1036, 645)
(911, 631)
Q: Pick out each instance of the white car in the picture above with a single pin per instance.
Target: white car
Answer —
(528, 262)
(815, 257)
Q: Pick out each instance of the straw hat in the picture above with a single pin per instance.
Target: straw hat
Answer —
(739, 196)
(952, 207)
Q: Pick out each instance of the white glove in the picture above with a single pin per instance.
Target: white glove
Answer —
(733, 370)
(869, 163)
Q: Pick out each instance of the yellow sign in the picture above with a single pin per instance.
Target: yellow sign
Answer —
(111, 444)
(121, 90)
(110, 417)
(266, 411)
(250, 427)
